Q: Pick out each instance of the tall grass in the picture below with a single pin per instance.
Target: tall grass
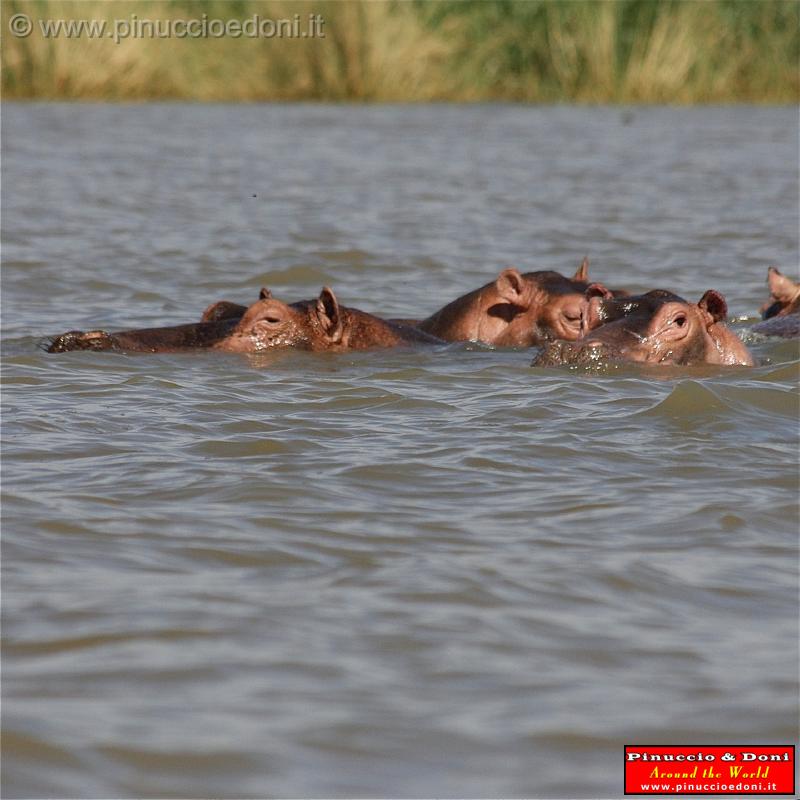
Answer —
(593, 51)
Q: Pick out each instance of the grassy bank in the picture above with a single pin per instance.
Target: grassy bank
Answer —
(594, 51)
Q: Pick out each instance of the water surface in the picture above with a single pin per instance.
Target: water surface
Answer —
(436, 573)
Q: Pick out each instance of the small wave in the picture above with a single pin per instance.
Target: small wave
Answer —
(295, 276)
(239, 449)
(763, 399)
(352, 257)
(688, 399)
(782, 372)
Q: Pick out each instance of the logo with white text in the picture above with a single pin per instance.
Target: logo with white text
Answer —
(729, 769)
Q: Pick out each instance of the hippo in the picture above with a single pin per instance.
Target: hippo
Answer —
(654, 328)
(317, 325)
(781, 313)
(193, 336)
(515, 310)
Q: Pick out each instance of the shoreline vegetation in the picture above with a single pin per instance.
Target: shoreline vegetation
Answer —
(536, 51)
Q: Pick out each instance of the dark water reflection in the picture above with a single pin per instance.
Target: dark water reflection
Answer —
(437, 573)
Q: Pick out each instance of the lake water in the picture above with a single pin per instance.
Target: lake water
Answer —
(436, 573)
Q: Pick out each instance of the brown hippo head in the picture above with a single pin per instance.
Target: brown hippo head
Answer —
(654, 328)
(319, 324)
(784, 295)
(516, 309)
(269, 322)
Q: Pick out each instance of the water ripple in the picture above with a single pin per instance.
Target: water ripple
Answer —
(417, 572)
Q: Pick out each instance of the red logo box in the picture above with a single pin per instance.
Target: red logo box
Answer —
(709, 769)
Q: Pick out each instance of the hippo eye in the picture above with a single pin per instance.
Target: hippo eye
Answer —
(680, 320)
(272, 320)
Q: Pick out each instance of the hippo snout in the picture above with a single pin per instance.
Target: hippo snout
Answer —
(80, 340)
(581, 353)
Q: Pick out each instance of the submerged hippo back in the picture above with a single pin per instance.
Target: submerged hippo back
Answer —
(787, 326)
(363, 331)
(193, 336)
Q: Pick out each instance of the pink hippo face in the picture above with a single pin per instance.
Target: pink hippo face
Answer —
(319, 325)
(516, 309)
(654, 328)
(269, 323)
(547, 306)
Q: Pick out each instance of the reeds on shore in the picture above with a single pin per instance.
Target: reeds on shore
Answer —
(585, 51)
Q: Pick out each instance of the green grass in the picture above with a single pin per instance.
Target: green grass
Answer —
(586, 51)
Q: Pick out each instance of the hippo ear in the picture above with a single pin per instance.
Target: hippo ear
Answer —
(223, 309)
(713, 303)
(510, 285)
(265, 294)
(329, 315)
(780, 287)
(598, 290)
(582, 273)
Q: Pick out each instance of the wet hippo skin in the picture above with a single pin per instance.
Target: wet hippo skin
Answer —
(515, 310)
(320, 324)
(658, 327)
(192, 336)
(781, 312)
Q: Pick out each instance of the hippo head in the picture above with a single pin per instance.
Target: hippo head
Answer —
(654, 328)
(542, 305)
(79, 340)
(602, 310)
(784, 295)
(310, 324)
